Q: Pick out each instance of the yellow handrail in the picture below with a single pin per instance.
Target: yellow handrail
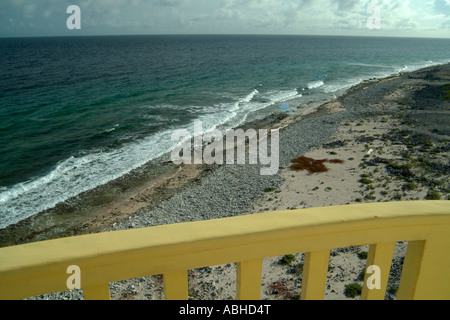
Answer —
(38, 268)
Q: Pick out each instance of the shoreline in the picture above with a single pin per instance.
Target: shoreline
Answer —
(401, 118)
(150, 191)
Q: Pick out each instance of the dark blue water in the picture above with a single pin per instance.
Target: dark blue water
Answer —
(76, 113)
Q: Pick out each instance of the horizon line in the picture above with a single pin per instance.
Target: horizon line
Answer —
(220, 34)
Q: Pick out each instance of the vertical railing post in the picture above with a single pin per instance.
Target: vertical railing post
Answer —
(176, 285)
(380, 255)
(249, 275)
(424, 275)
(315, 272)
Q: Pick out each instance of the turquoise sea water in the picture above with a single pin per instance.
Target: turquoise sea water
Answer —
(76, 113)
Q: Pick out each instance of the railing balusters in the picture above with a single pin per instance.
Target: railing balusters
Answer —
(99, 292)
(176, 285)
(248, 284)
(380, 255)
(315, 272)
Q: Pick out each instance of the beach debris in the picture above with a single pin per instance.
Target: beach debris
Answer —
(311, 165)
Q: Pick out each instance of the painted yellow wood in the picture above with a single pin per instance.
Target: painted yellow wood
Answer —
(39, 268)
(31, 285)
(176, 285)
(315, 271)
(380, 255)
(100, 292)
(249, 276)
(411, 270)
(425, 270)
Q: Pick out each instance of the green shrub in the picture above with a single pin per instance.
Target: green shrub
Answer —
(433, 195)
(410, 186)
(397, 197)
(365, 181)
(353, 290)
(363, 255)
(287, 259)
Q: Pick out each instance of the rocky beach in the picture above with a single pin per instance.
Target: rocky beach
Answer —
(391, 139)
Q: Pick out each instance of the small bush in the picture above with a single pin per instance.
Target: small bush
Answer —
(287, 260)
(363, 255)
(353, 290)
(438, 183)
(433, 195)
(410, 186)
(365, 181)
(397, 197)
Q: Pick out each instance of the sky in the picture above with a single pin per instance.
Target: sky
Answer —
(397, 18)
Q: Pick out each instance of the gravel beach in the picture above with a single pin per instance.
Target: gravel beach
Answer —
(403, 119)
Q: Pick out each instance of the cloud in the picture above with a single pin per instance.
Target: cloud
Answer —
(347, 4)
(399, 17)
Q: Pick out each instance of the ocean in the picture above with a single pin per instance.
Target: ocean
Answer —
(79, 112)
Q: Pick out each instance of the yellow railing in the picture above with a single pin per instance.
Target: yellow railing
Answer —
(39, 268)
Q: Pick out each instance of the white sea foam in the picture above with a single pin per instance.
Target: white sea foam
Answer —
(242, 102)
(270, 98)
(76, 175)
(250, 96)
(315, 84)
(341, 85)
(283, 95)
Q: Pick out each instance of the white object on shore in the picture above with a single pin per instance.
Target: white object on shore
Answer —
(370, 152)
